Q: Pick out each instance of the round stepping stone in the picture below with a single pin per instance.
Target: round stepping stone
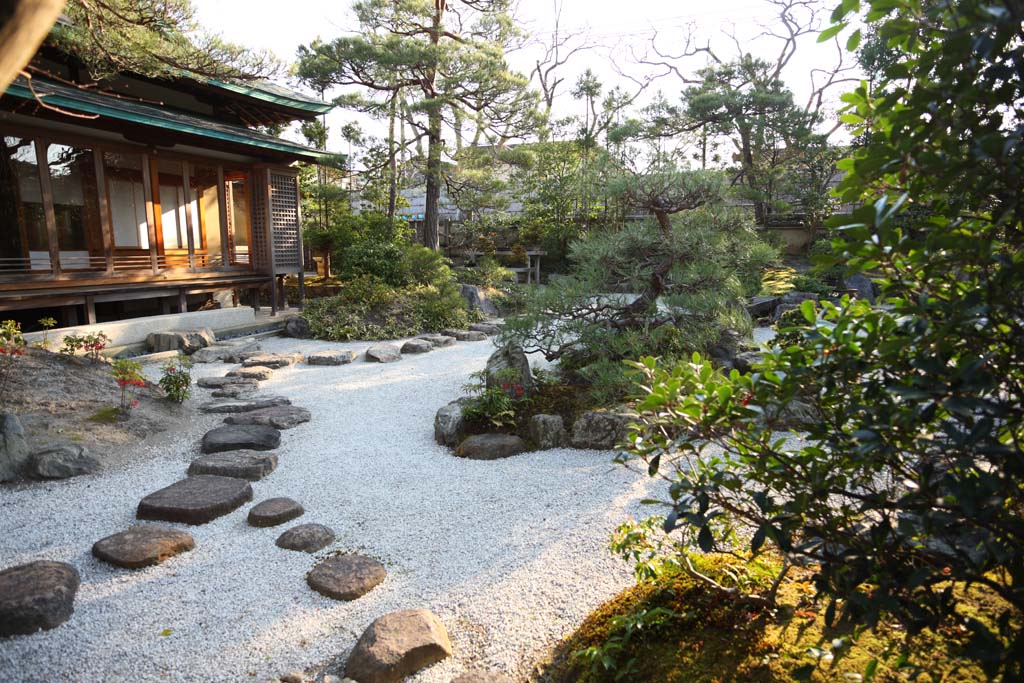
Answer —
(142, 545)
(195, 500)
(221, 382)
(346, 577)
(258, 373)
(397, 645)
(438, 340)
(307, 538)
(417, 346)
(37, 595)
(279, 417)
(331, 357)
(242, 405)
(241, 438)
(383, 353)
(274, 511)
(240, 465)
(272, 360)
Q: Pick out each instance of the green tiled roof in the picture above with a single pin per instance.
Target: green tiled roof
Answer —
(273, 93)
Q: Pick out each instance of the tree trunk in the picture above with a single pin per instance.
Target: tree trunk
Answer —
(392, 160)
(23, 26)
(327, 263)
(431, 216)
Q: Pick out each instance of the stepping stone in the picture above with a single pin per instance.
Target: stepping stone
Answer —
(142, 545)
(487, 328)
(195, 500)
(258, 372)
(37, 595)
(222, 382)
(241, 438)
(240, 465)
(225, 352)
(279, 417)
(465, 335)
(482, 676)
(331, 357)
(307, 538)
(242, 405)
(272, 360)
(383, 353)
(417, 346)
(346, 577)
(243, 355)
(397, 645)
(438, 340)
(490, 446)
(274, 511)
(236, 390)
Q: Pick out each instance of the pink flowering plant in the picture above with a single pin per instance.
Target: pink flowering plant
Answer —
(176, 379)
(128, 374)
(91, 344)
(12, 345)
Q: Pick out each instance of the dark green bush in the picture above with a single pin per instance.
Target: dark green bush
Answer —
(486, 273)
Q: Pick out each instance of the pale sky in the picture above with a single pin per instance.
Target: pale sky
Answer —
(614, 26)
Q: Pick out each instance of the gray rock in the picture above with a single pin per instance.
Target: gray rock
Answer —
(449, 424)
(796, 415)
(241, 438)
(186, 341)
(490, 446)
(438, 340)
(243, 355)
(297, 327)
(548, 431)
(746, 360)
(142, 545)
(237, 390)
(257, 373)
(221, 382)
(240, 465)
(61, 462)
(346, 577)
(274, 511)
(37, 595)
(482, 676)
(243, 405)
(417, 346)
(465, 335)
(782, 308)
(797, 297)
(223, 352)
(331, 357)
(293, 676)
(601, 429)
(397, 645)
(14, 452)
(762, 306)
(383, 353)
(487, 328)
(307, 538)
(476, 300)
(508, 369)
(195, 500)
(862, 285)
(279, 417)
(272, 360)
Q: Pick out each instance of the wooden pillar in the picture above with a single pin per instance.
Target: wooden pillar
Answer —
(165, 305)
(186, 194)
(282, 292)
(255, 293)
(106, 222)
(90, 310)
(273, 295)
(302, 288)
(182, 301)
(536, 279)
(51, 219)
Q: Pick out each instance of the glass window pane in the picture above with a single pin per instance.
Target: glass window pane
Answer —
(123, 173)
(75, 205)
(23, 241)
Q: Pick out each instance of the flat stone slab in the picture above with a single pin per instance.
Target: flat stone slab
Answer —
(274, 511)
(417, 346)
(307, 538)
(242, 405)
(224, 352)
(37, 595)
(466, 335)
(487, 328)
(331, 357)
(346, 577)
(397, 645)
(279, 417)
(195, 500)
(221, 382)
(438, 340)
(237, 464)
(383, 353)
(272, 360)
(239, 390)
(258, 373)
(490, 446)
(241, 438)
(143, 545)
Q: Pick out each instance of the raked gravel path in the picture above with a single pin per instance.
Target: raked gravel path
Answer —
(511, 554)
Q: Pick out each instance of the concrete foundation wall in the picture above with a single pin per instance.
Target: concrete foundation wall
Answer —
(134, 330)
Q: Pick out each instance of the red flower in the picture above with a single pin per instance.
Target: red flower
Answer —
(135, 403)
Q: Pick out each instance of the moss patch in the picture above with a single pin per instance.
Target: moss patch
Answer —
(708, 637)
(107, 415)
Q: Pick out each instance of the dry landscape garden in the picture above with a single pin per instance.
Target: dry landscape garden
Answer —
(465, 348)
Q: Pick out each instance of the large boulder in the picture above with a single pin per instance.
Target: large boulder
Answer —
(508, 369)
(548, 431)
(490, 446)
(781, 309)
(186, 341)
(340, 357)
(346, 577)
(61, 462)
(279, 417)
(601, 429)
(397, 645)
(797, 297)
(142, 545)
(14, 452)
(383, 353)
(449, 424)
(862, 286)
(241, 438)
(489, 329)
(297, 327)
(762, 306)
(476, 300)
(195, 500)
(37, 595)
(746, 360)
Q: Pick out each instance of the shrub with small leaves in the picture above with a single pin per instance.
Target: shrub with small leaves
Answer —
(128, 374)
(12, 345)
(91, 344)
(47, 324)
(176, 379)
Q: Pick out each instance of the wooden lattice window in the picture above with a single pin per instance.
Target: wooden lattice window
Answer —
(284, 212)
(260, 233)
